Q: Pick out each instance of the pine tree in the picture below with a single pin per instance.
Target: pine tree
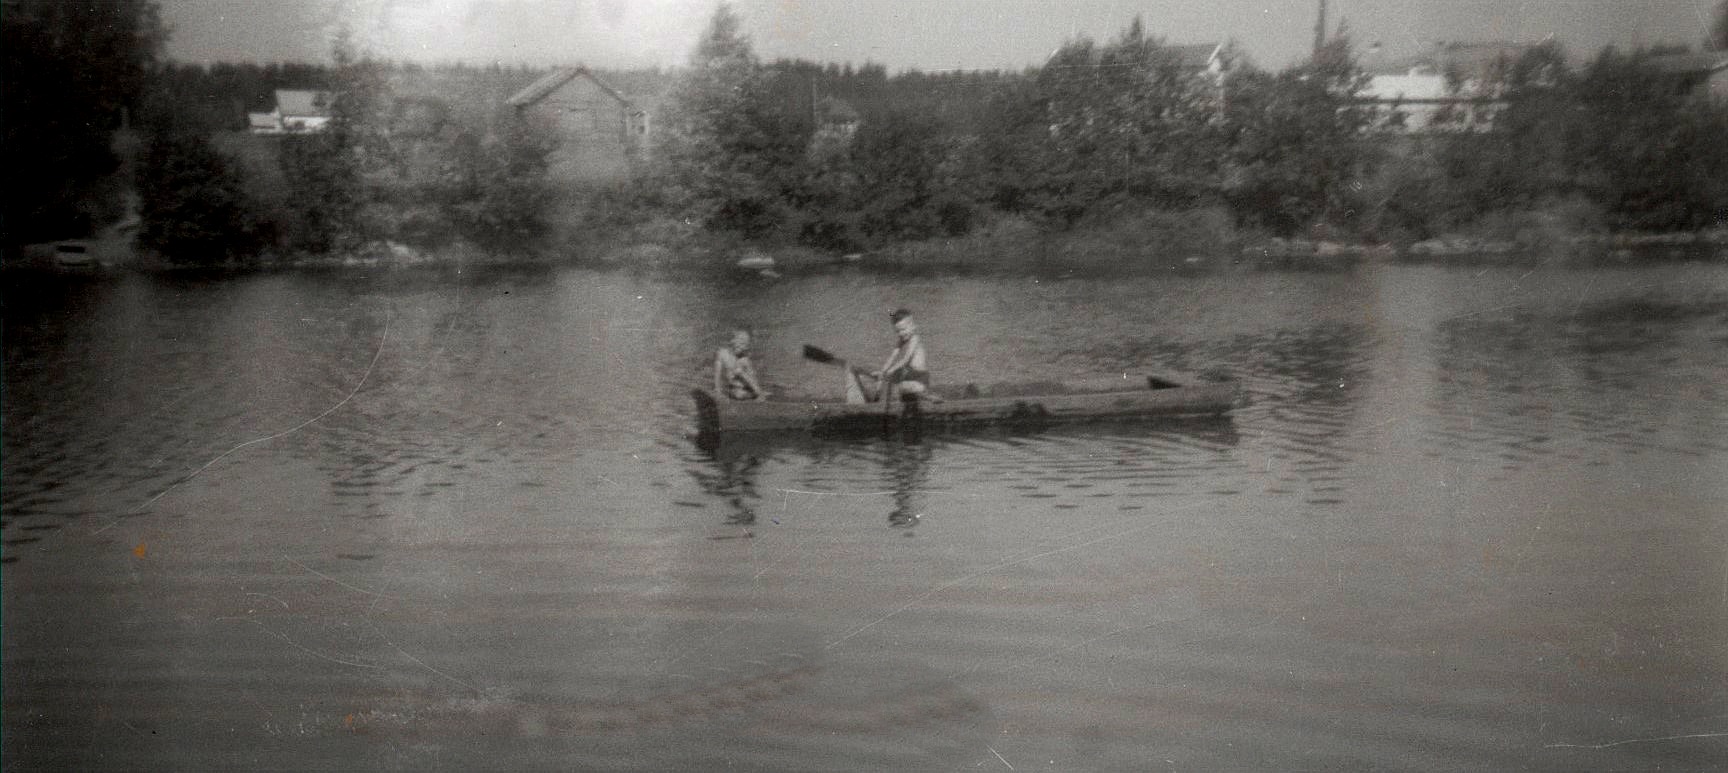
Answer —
(326, 170)
(729, 150)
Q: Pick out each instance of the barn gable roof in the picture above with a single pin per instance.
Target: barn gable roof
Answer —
(539, 89)
(1196, 56)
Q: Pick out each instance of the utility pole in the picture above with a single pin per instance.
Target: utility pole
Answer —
(1320, 30)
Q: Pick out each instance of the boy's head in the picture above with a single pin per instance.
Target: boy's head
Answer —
(903, 324)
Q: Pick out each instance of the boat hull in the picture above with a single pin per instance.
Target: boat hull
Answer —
(1162, 397)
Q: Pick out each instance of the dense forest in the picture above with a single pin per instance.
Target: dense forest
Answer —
(70, 75)
(1101, 135)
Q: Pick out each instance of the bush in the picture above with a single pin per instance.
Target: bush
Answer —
(1552, 227)
(502, 202)
(1406, 200)
(1150, 239)
(1298, 143)
(194, 208)
(324, 196)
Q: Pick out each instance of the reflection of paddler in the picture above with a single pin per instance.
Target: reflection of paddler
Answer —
(906, 369)
(734, 373)
(908, 467)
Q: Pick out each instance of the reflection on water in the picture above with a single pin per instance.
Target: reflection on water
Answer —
(411, 521)
(731, 477)
(1095, 459)
(908, 467)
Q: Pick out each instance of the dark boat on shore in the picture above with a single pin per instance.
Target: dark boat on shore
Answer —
(1003, 404)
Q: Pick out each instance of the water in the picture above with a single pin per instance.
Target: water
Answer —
(1472, 519)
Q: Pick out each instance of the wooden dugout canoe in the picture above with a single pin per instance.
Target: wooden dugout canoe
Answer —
(1113, 398)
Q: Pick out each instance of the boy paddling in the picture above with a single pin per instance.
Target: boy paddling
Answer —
(907, 368)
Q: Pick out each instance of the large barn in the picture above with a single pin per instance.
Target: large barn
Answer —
(602, 132)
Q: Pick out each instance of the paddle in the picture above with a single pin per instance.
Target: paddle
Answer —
(823, 356)
(818, 354)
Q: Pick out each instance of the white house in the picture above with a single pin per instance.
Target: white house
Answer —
(1410, 101)
(1453, 87)
(298, 111)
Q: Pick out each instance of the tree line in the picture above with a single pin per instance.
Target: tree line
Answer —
(1617, 142)
(1103, 131)
(834, 157)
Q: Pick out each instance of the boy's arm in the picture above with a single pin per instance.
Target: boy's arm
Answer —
(749, 375)
(889, 366)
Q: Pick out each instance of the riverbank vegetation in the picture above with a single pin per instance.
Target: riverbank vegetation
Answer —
(1115, 153)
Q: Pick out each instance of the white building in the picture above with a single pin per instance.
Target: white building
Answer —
(298, 111)
(1452, 87)
(1418, 101)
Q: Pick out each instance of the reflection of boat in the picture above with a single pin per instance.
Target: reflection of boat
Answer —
(756, 261)
(112, 246)
(73, 254)
(1006, 404)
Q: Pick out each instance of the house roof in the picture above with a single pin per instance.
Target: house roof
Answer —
(1196, 56)
(302, 102)
(1477, 57)
(1470, 59)
(539, 89)
(1701, 63)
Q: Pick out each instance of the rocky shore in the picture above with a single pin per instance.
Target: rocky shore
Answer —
(1586, 247)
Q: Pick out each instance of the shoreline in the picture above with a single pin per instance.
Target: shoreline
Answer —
(1094, 252)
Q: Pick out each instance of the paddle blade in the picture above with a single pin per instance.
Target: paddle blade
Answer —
(815, 354)
(854, 390)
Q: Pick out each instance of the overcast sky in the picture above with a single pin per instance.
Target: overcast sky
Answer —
(925, 34)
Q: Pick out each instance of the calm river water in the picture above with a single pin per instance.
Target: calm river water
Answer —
(1473, 519)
